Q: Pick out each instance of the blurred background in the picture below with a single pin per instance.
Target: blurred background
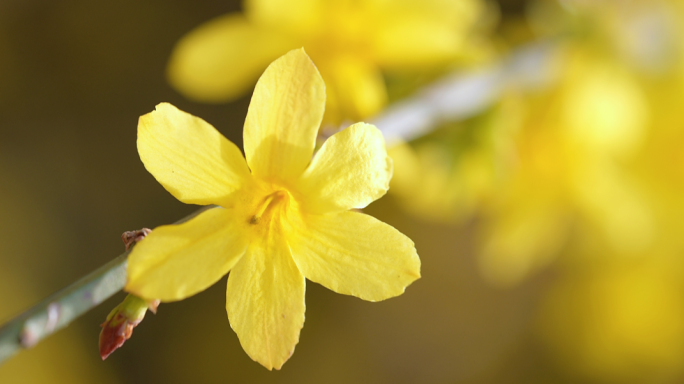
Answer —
(549, 224)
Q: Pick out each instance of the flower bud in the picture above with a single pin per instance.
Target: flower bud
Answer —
(120, 322)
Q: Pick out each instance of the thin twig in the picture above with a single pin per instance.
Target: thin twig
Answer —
(452, 98)
(63, 307)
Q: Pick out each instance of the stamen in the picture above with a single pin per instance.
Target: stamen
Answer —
(264, 206)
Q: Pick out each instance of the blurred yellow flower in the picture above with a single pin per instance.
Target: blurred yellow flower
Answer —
(447, 175)
(288, 219)
(616, 313)
(432, 185)
(591, 159)
(569, 176)
(351, 41)
(597, 154)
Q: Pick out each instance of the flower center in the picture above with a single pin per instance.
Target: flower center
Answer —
(267, 205)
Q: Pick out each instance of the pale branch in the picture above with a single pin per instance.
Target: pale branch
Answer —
(455, 97)
(464, 94)
(63, 307)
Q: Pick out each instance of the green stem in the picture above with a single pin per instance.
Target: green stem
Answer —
(63, 307)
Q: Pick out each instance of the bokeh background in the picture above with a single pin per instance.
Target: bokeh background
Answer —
(549, 225)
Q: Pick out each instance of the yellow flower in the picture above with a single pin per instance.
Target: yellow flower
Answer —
(350, 41)
(287, 219)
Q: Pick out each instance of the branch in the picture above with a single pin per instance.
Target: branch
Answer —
(455, 97)
(63, 307)
(464, 94)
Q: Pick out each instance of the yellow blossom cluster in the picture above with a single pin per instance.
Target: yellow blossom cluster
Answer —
(583, 176)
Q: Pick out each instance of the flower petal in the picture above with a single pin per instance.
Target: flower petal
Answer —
(300, 20)
(284, 116)
(351, 170)
(415, 34)
(265, 300)
(356, 89)
(177, 261)
(189, 157)
(221, 59)
(354, 254)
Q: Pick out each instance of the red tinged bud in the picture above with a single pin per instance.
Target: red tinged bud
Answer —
(120, 323)
(124, 317)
